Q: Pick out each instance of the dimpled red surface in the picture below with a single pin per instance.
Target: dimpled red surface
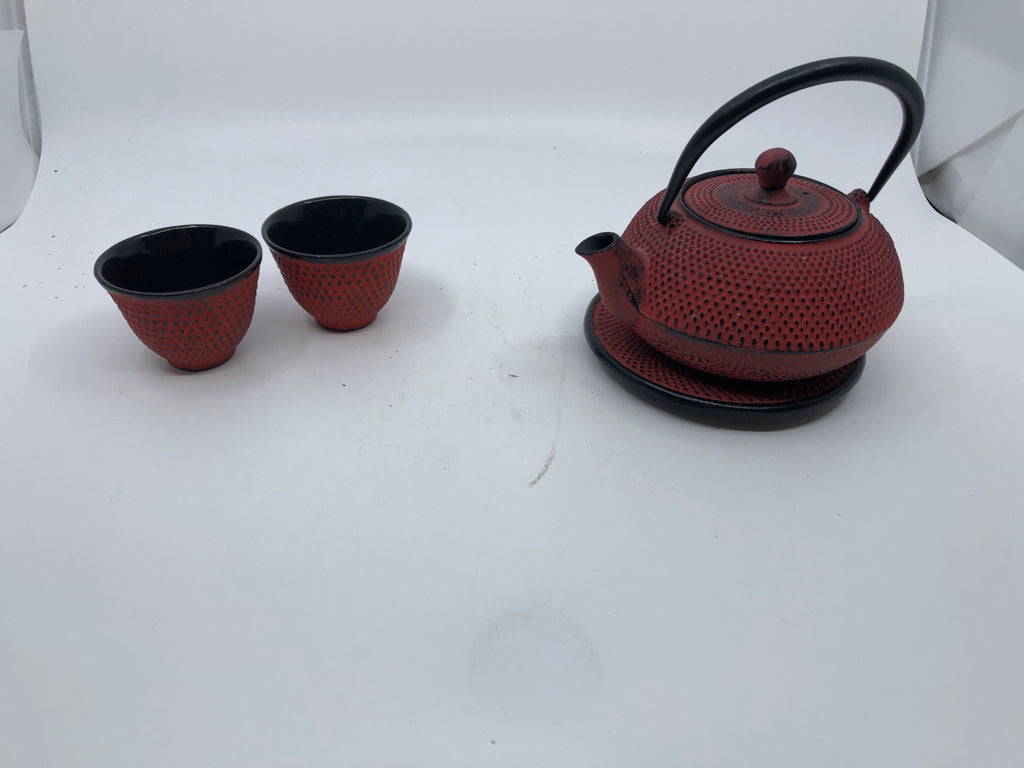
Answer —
(342, 296)
(193, 333)
(639, 358)
(763, 296)
(817, 210)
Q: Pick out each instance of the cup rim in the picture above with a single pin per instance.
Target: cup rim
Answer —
(198, 292)
(369, 253)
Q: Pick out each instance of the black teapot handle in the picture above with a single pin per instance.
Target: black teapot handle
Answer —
(816, 73)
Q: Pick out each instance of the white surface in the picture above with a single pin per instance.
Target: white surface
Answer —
(971, 154)
(344, 549)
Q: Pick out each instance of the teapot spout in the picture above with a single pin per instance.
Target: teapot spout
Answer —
(621, 272)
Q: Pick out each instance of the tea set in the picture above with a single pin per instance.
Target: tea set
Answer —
(189, 292)
(735, 291)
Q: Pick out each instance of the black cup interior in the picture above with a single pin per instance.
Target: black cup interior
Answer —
(337, 226)
(178, 259)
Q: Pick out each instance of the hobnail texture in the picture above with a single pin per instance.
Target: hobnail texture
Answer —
(643, 361)
(817, 210)
(193, 334)
(760, 310)
(339, 255)
(188, 292)
(342, 296)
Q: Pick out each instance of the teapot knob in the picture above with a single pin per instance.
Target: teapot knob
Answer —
(774, 167)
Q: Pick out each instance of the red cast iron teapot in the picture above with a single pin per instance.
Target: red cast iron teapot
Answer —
(759, 274)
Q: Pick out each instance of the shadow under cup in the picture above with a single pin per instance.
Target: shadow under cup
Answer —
(187, 292)
(339, 256)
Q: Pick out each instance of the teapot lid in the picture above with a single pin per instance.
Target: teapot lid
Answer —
(770, 203)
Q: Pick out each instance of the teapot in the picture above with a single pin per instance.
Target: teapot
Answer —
(759, 274)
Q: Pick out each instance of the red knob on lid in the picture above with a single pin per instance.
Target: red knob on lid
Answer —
(774, 168)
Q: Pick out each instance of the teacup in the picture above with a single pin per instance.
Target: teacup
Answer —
(187, 292)
(339, 256)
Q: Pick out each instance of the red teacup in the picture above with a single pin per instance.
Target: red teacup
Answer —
(339, 256)
(187, 292)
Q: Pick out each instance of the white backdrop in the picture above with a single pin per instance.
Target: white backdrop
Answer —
(452, 539)
(971, 152)
(186, 60)
(126, 80)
